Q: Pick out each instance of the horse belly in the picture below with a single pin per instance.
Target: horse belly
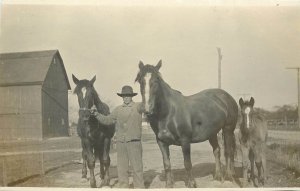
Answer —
(203, 133)
(205, 126)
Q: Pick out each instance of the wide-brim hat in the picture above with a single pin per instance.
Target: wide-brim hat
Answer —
(127, 91)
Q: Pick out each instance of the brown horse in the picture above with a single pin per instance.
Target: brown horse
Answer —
(95, 137)
(182, 120)
(252, 137)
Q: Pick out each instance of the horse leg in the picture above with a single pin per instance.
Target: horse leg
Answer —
(258, 162)
(245, 163)
(90, 163)
(229, 149)
(264, 166)
(186, 149)
(216, 150)
(101, 167)
(100, 156)
(84, 168)
(84, 158)
(164, 148)
(105, 161)
(251, 158)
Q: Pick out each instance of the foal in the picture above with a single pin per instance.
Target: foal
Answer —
(252, 137)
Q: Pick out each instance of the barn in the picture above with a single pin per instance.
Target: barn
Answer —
(33, 96)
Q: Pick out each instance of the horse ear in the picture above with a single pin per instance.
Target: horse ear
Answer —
(252, 101)
(158, 65)
(141, 65)
(241, 102)
(75, 80)
(93, 80)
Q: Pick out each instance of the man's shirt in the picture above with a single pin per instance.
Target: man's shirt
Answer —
(128, 120)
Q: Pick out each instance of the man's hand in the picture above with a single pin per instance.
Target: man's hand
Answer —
(94, 111)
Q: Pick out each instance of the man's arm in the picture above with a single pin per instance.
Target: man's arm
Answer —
(106, 120)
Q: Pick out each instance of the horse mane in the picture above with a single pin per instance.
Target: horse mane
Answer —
(101, 106)
(159, 76)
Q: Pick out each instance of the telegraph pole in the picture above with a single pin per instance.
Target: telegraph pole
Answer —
(298, 83)
(219, 67)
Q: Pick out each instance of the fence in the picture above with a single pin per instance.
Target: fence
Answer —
(282, 124)
(21, 160)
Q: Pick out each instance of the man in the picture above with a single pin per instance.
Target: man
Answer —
(128, 120)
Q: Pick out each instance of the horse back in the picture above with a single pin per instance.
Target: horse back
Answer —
(216, 99)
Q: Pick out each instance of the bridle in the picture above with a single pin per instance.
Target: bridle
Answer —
(87, 109)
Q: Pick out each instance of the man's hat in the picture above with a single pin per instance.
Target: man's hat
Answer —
(127, 91)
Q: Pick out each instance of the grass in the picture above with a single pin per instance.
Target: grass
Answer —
(287, 155)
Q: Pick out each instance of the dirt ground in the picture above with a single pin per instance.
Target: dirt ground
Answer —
(203, 167)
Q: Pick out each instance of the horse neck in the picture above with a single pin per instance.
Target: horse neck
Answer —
(163, 98)
(97, 101)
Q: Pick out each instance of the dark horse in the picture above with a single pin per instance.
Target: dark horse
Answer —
(182, 120)
(252, 137)
(95, 138)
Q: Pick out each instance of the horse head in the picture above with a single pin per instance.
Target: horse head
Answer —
(246, 111)
(85, 94)
(149, 78)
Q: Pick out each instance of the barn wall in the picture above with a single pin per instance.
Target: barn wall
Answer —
(55, 101)
(20, 113)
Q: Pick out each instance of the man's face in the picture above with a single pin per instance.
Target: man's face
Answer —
(127, 100)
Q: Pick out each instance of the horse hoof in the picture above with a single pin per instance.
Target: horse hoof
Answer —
(192, 184)
(104, 183)
(218, 177)
(229, 177)
(261, 182)
(93, 184)
(169, 184)
(245, 183)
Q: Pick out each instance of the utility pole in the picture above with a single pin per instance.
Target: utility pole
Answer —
(298, 83)
(219, 67)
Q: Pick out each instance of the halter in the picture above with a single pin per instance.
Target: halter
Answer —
(84, 109)
(87, 109)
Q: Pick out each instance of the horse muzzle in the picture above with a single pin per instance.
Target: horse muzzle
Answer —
(149, 109)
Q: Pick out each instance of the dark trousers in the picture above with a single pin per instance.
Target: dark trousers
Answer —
(130, 152)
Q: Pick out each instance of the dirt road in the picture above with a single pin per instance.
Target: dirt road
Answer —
(203, 167)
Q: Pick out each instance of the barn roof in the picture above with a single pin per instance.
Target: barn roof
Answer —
(27, 68)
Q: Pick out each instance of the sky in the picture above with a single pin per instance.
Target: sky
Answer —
(258, 39)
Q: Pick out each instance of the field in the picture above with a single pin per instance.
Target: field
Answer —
(69, 175)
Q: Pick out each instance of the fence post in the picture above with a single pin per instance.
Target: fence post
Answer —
(42, 164)
(4, 171)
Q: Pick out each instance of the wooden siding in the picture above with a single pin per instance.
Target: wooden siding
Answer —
(55, 101)
(20, 113)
